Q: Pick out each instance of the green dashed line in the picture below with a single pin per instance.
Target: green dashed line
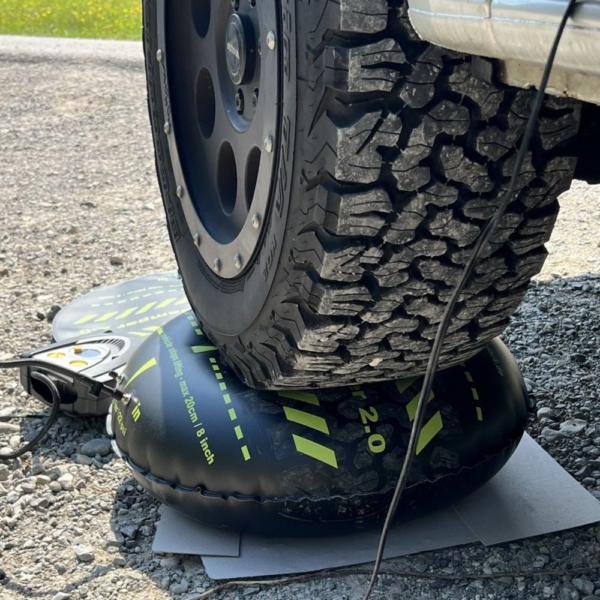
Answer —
(239, 434)
(475, 395)
(246, 452)
(201, 349)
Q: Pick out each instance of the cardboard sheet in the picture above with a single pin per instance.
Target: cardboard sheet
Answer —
(274, 556)
(532, 495)
(177, 534)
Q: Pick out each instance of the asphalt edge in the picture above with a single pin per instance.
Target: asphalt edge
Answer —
(128, 54)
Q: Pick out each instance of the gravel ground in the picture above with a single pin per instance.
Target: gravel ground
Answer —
(81, 209)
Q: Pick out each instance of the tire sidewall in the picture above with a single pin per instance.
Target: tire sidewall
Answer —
(228, 307)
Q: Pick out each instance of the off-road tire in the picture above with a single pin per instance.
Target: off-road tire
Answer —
(396, 158)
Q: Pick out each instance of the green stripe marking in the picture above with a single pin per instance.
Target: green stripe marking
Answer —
(232, 414)
(126, 313)
(430, 430)
(148, 365)
(411, 407)
(403, 384)
(246, 452)
(306, 419)
(227, 398)
(165, 303)
(238, 432)
(301, 396)
(145, 308)
(316, 451)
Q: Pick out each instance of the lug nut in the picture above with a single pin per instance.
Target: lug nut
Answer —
(180, 191)
(269, 143)
(217, 265)
(256, 221)
(196, 239)
(237, 261)
(271, 40)
(159, 55)
(255, 98)
(235, 4)
(239, 102)
(167, 128)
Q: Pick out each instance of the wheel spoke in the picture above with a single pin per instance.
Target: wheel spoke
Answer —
(240, 212)
(223, 118)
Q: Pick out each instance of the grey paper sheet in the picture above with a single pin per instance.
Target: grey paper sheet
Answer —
(532, 495)
(177, 534)
(262, 556)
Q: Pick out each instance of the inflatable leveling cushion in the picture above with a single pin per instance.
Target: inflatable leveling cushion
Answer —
(310, 462)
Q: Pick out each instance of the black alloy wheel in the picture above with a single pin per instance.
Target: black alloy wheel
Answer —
(222, 90)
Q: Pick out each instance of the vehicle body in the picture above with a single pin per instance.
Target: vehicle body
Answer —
(517, 35)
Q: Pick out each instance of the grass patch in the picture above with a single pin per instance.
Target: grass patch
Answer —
(115, 19)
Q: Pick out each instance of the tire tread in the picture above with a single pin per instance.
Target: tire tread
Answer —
(404, 156)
